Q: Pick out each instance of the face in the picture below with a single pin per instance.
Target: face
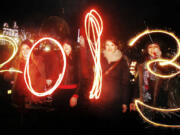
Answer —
(67, 49)
(110, 46)
(25, 49)
(154, 50)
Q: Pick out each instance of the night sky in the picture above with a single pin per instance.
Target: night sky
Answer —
(122, 18)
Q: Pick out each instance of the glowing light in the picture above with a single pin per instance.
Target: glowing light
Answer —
(156, 109)
(47, 48)
(162, 62)
(11, 70)
(14, 45)
(26, 70)
(9, 92)
(93, 30)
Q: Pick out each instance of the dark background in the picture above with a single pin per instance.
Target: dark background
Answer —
(123, 20)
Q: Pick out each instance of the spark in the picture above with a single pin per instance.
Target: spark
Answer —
(95, 25)
(26, 70)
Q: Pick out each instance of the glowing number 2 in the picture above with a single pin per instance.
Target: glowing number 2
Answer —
(26, 70)
(12, 42)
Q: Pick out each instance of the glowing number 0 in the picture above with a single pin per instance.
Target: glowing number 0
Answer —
(26, 70)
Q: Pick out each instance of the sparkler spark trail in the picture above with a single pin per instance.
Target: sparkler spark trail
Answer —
(156, 109)
(93, 30)
(26, 70)
(13, 43)
(162, 62)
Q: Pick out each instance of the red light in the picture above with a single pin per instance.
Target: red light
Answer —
(26, 70)
(93, 29)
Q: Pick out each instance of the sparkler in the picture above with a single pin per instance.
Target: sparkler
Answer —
(162, 62)
(93, 30)
(14, 45)
(26, 70)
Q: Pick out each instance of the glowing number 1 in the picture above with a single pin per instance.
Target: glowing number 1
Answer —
(93, 23)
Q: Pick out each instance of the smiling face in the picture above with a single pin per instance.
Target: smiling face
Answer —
(25, 50)
(67, 49)
(110, 46)
(154, 50)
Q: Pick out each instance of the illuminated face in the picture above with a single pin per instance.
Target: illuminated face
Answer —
(25, 49)
(110, 46)
(154, 50)
(67, 49)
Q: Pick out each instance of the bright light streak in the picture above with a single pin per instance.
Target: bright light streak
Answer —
(162, 62)
(155, 109)
(26, 70)
(14, 45)
(11, 70)
(93, 30)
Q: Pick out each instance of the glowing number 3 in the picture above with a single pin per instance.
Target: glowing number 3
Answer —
(162, 62)
(26, 70)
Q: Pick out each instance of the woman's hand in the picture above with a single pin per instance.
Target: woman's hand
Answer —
(73, 100)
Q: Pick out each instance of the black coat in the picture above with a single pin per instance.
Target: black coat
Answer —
(115, 83)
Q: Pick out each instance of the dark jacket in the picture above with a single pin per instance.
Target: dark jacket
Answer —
(116, 82)
(152, 89)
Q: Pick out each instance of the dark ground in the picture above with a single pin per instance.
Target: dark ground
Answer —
(71, 121)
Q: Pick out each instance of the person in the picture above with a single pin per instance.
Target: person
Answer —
(115, 95)
(81, 95)
(56, 27)
(21, 96)
(70, 80)
(152, 89)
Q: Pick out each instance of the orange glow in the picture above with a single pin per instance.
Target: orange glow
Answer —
(26, 70)
(93, 30)
(162, 62)
(13, 43)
